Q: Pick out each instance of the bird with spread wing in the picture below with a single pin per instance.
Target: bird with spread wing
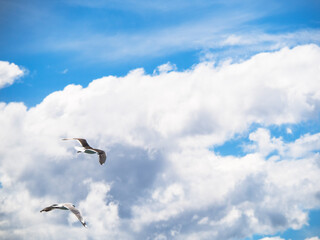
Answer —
(66, 206)
(87, 149)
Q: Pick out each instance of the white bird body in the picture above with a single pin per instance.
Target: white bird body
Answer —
(82, 149)
(66, 206)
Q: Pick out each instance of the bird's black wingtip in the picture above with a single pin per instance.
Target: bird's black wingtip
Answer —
(102, 163)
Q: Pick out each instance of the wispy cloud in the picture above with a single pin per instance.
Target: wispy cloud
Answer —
(157, 5)
(213, 35)
(204, 27)
(202, 34)
(65, 71)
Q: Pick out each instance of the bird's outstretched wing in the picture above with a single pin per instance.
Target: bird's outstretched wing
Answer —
(102, 155)
(76, 212)
(47, 209)
(82, 141)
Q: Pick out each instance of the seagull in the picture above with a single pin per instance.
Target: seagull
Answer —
(66, 206)
(87, 149)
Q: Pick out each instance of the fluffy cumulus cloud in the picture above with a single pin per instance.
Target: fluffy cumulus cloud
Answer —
(161, 180)
(9, 72)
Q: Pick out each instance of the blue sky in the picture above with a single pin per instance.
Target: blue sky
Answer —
(90, 39)
(209, 112)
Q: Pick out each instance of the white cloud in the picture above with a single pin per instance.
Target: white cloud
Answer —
(289, 131)
(160, 177)
(313, 238)
(103, 216)
(263, 142)
(304, 145)
(164, 68)
(9, 72)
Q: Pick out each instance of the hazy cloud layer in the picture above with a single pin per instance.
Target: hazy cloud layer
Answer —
(160, 180)
(91, 32)
(187, 37)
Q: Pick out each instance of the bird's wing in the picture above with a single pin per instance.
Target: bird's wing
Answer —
(47, 209)
(102, 155)
(82, 141)
(76, 212)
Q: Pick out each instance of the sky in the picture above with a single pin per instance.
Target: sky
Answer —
(209, 112)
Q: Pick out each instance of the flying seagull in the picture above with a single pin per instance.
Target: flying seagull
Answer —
(87, 149)
(66, 206)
